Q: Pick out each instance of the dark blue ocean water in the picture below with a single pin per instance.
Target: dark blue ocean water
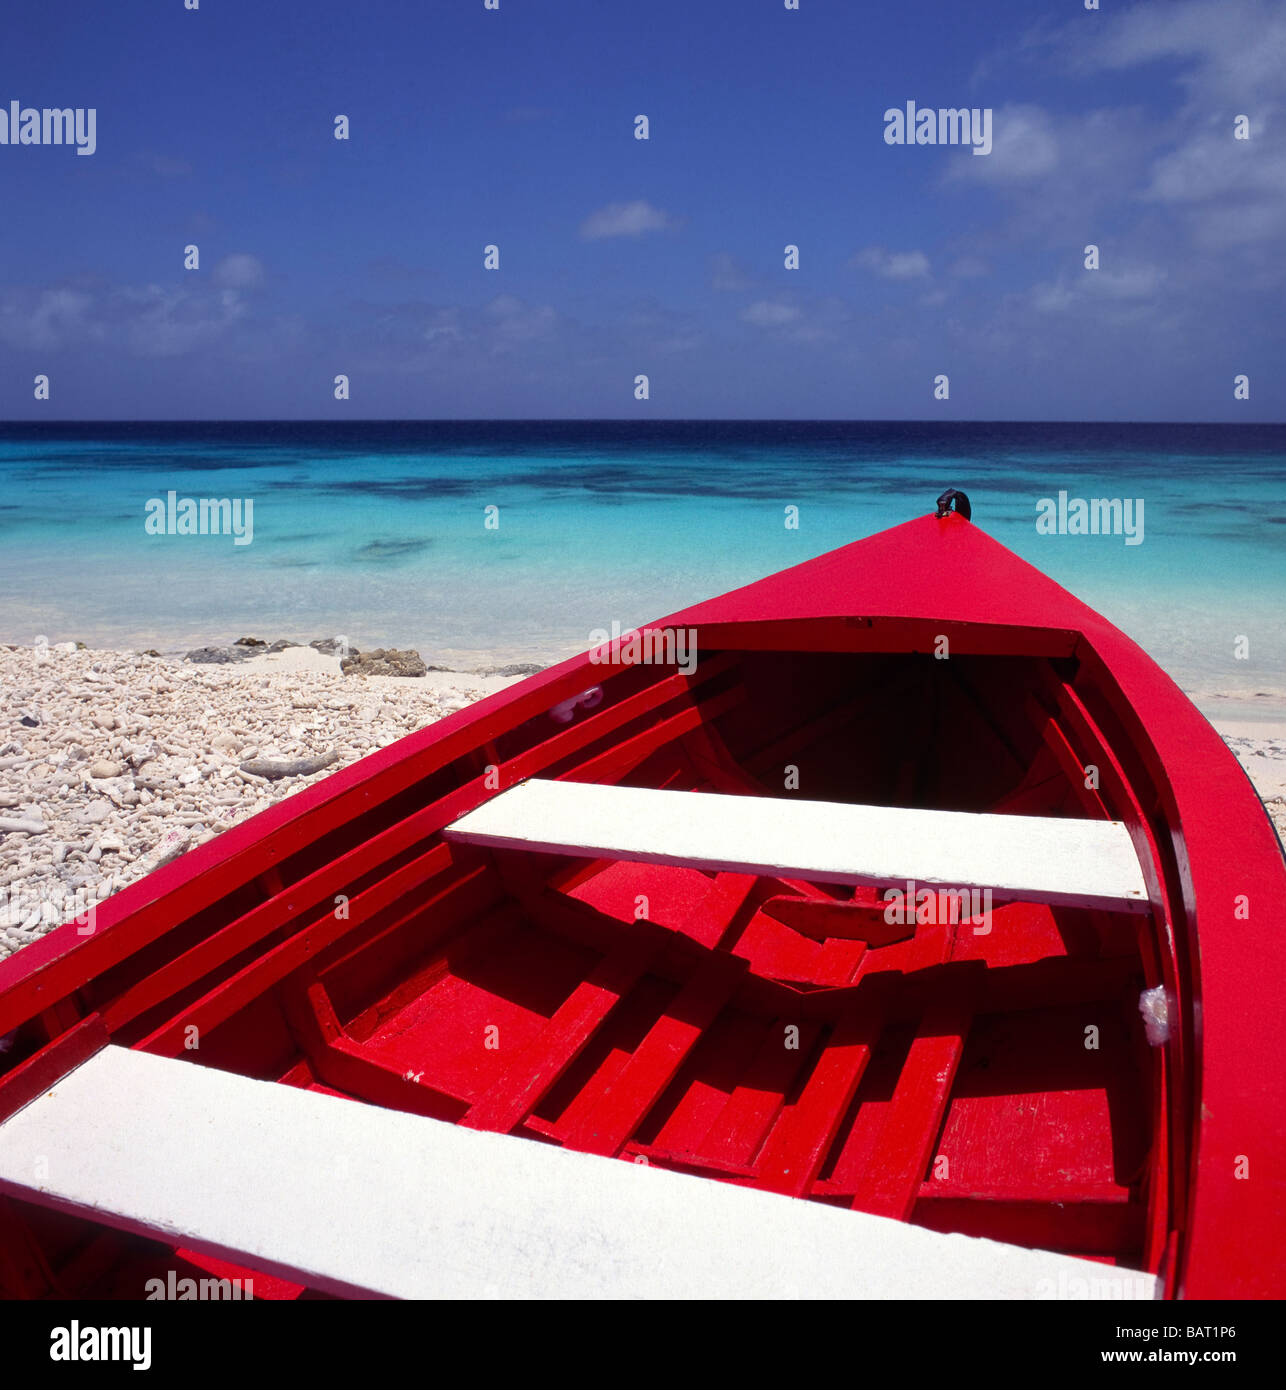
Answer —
(376, 530)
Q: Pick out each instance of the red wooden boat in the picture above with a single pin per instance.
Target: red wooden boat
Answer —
(859, 910)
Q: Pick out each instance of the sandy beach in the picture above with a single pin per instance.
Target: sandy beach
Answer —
(113, 763)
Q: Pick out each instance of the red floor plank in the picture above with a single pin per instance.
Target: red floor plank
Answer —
(711, 919)
(540, 1065)
(702, 1086)
(655, 1061)
(736, 1135)
(890, 1186)
(797, 1147)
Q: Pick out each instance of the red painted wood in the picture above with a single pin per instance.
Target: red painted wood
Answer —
(347, 1067)
(736, 1136)
(1079, 1226)
(617, 762)
(323, 886)
(221, 947)
(24, 1270)
(914, 1121)
(220, 1003)
(717, 914)
(42, 1069)
(538, 1067)
(655, 1061)
(821, 919)
(797, 1146)
(875, 635)
(269, 1286)
(954, 570)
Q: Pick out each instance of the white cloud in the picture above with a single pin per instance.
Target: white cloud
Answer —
(143, 320)
(518, 321)
(160, 321)
(1131, 284)
(727, 273)
(1232, 61)
(625, 219)
(505, 306)
(1024, 146)
(970, 268)
(239, 272)
(766, 313)
(1237, 48)
(893, 265)
(443, 323)
(45, 319)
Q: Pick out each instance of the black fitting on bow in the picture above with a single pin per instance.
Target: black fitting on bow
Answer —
(962, 503)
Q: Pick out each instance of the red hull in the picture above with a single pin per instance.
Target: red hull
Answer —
(648, 1038)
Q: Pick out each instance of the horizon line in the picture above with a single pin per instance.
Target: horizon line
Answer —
(607, 420)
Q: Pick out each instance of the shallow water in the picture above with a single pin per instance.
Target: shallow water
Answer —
(377, 531)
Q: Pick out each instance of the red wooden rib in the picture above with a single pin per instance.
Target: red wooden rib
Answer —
(649, 1071)
(735, 1137)
(622, 758)
(531, 1075)
(915, 1118)
(797, 1147)
(225, 998)
(41, 1070)
(347, 1067)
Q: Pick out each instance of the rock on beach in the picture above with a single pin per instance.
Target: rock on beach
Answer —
(383, 663)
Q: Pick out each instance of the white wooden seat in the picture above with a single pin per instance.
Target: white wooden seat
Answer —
(354, 1199)
(1084, 863)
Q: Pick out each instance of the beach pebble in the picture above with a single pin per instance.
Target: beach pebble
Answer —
(273, 769)
(169, 847)
(22, 827)
(102, 770)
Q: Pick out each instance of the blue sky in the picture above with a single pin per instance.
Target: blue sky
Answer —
(664, 256)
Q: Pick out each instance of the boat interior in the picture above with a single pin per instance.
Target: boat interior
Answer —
(966, 1065)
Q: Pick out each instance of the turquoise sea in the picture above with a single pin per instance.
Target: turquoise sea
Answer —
(377, 531)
